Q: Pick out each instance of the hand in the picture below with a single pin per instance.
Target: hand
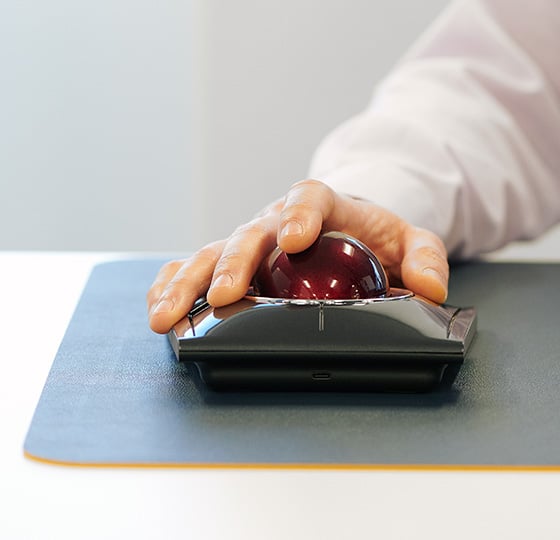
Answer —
(413, 257)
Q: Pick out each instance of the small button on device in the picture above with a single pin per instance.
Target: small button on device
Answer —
(199, 306)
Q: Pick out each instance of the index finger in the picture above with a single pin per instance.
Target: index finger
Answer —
(243, 252)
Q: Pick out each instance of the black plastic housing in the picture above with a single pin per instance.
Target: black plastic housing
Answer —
(402, 343)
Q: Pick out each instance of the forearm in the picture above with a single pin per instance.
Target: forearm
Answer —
(463, 138)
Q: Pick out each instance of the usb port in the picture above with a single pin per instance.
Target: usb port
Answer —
(321, 376)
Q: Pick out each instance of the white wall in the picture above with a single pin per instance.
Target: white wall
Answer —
(160, 125)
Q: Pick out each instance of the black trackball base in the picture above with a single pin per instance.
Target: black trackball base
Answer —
(325, 320)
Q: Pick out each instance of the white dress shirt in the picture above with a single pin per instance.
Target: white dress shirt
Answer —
(463, 137)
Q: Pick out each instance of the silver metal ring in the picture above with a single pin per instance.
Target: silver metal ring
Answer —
(393, 294)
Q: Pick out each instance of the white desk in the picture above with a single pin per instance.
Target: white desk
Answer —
(38, 293)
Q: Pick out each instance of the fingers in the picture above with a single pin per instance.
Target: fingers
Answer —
(178, 284)
(243, 252)
(307, 206)
(225, 269)
(311, 206)
(412, 255)
(222, 270)
(424, 268)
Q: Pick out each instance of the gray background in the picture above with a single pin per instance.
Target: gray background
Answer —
(160, 125)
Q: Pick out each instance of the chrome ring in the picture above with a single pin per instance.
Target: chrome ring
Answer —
(393, 294)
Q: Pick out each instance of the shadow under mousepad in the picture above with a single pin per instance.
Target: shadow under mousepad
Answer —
(117, 396)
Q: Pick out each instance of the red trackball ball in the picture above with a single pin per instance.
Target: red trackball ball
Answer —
(335, 267)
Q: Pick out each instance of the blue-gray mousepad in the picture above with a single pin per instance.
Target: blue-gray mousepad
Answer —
(117, 396)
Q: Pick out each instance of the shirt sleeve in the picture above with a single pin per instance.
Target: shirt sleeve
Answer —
(463, 137)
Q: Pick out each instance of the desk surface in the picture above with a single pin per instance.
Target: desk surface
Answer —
(39, 292)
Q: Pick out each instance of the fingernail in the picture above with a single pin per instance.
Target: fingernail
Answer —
(439, 296)
(223, 280)
(164, 306)
(292, 228)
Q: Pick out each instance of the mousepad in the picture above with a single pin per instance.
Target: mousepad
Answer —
(116, 396)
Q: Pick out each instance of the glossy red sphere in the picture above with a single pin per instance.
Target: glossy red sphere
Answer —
(335, 267)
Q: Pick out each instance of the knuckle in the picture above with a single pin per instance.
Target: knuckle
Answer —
(170, 267)
(255, 228)
(230, 260)
(205, 255)
(301, 212)
(432, 254)
(309, 183)
(164, 276)
(152, 296)
(297, 208)
(309, 195)
(179, 282)
(270, 209)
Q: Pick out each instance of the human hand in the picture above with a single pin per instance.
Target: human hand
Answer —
(412, 257)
